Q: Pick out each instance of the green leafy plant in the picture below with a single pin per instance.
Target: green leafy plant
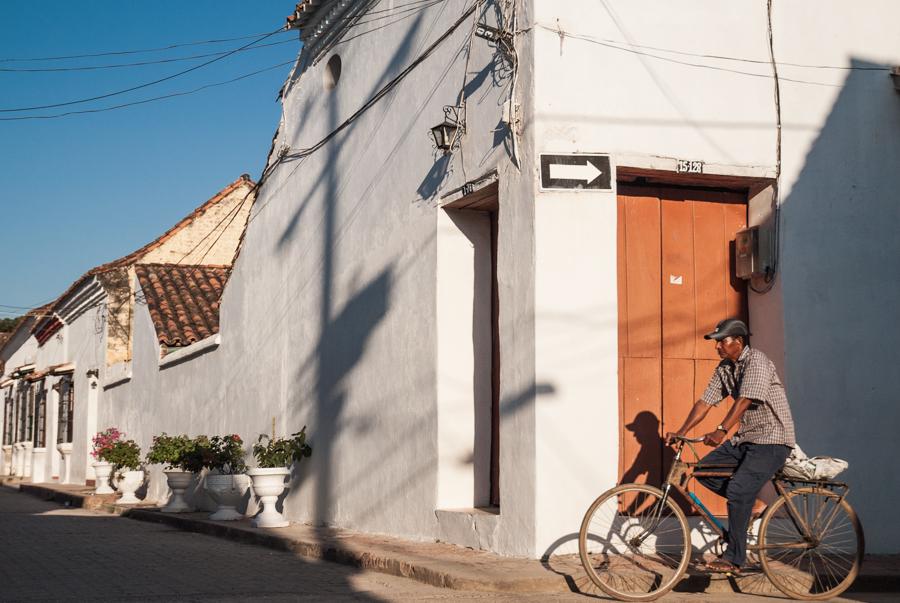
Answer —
(281, 452)
(222, 454)
(170, 451)
(225, 455)
(197, 455)
(125, 455)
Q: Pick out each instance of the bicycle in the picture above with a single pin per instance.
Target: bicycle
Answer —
(635, 542)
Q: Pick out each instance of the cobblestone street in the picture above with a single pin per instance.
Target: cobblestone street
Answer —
(53, 553)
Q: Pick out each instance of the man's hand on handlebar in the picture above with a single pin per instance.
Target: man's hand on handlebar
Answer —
(672, 436)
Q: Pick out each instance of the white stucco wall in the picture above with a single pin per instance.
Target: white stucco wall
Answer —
(329, 319)
(338, 273)
(576, 361)
(628, 78)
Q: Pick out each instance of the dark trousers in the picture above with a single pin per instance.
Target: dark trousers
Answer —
(756, 464)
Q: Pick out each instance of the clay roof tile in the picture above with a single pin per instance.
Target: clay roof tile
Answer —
(183, 300)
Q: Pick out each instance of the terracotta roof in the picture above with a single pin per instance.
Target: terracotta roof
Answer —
(47, 328)
(183, 300)
(135, 256)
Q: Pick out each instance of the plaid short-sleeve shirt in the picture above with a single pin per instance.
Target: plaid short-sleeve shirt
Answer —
(768, 419)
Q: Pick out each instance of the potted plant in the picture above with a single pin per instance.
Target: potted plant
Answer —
(274, 459)
(103, 442)
(176, 454)
(227, 481)
(125, 456)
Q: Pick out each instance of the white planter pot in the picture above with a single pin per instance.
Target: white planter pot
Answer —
(268, 484)
(228, 492)
(129, 482)
(65, 451)
(178, 483)
(103, 470)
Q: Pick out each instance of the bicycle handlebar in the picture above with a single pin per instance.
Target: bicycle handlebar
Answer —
(689, 440)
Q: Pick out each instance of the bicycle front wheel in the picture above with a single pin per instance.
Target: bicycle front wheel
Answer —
(817, 562)
(634, 546)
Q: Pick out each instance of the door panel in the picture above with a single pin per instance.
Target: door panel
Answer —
(678, 391)
(678, 292)
(711, 254)
(642, 449)
(642, 249)
(675, 283)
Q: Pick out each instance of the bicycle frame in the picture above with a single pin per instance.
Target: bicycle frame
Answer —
(682, 472)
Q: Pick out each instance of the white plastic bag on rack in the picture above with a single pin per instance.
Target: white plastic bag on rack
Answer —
(800, 466)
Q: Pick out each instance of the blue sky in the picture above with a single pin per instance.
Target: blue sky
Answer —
(82, 190)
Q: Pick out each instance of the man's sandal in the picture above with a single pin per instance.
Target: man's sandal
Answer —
(721, 566)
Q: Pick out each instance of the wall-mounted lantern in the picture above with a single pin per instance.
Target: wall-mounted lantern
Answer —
(447, 133)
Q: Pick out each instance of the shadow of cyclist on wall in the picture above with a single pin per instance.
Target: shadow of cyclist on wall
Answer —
(653, 458)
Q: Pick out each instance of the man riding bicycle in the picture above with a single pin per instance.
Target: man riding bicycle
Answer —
(762, 443)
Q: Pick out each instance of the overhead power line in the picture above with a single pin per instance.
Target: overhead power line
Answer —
(124, 52)
(137, 63)
(141, 86)
(633, 48)
(148, 100)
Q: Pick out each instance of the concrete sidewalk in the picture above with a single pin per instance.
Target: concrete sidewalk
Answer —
(436, 564)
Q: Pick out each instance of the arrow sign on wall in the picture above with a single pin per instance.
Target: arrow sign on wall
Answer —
(575, 172)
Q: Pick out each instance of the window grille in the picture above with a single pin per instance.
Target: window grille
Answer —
(28, 435)
(8, 425)
(40, 414)
(66, 410)
(21, 413)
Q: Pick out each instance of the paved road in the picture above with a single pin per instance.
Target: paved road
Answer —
(52, 553)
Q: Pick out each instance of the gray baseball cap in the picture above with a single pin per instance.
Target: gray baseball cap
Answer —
(729, 327)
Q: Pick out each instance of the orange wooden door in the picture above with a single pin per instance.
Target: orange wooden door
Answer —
(675, 283)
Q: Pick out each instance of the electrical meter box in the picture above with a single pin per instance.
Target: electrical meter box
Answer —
(751, 253)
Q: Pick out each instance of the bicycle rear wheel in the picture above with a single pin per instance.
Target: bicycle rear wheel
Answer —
(632, 546)
(821, 566)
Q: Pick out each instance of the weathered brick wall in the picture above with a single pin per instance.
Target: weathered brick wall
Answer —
(210, 238)
(117, 283)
